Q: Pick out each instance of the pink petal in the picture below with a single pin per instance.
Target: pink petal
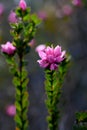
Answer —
(12, 17)
(43, 63)
(23, 4)
(53, 66)
(8, 48)
(42, 55)
(63, 54)
(49, 50)
(57, 50)
(40, 48)
(50, 58)
(59, 59)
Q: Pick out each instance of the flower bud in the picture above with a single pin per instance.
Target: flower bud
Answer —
(76, 2)
(11, 110)
(8, 48)
(12, 17)
(1, 9)
(23, 5)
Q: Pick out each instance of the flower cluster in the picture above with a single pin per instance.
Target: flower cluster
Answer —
(51, 57)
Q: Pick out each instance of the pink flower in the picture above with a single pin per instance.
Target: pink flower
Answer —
(42, 15)
(67, 10)
(12, 17)
(22, 5)
(76, 2)
(8, 48)
(51, 57)
(1, 9)
(32, 43)
(11, 110)
(40, 48)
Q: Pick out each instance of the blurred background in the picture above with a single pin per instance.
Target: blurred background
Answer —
(65, 23)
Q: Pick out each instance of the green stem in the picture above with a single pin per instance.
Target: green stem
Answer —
(21, 99)
(21, 96)
(51, 101)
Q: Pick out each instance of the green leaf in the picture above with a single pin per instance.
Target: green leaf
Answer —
(18, 12)
(25, 100)
(18, 120)
(35, 19)
(26, 125)
(14, 71)
(84, 3)
(24, 83)
(18, 93)
(25, 114)
(26, 16)
(81, 116)
(19, 28)
(24, 73)
(13, 25)
(10, 60)
(18, 106)
(16, 81)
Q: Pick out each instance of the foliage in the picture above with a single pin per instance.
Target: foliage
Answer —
(84, 3)
(81, 121)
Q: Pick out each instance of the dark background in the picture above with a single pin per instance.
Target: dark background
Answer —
(69, 31)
